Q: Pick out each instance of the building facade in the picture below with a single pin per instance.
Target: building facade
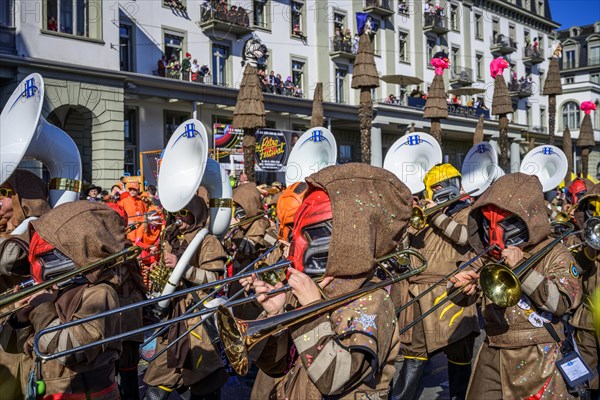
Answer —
(580, 75)
(100, 60)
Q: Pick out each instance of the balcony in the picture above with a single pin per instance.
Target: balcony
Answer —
(501, 44)
(341, 49)
(593, 61)
(378, 7)
(453, 109)
(538, 129)
(233, 19)
(520, 89)
(434, 23)
(461, 76)
(532, 55)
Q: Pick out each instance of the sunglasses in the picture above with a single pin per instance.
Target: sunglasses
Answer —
(182, 213)
(4, 192)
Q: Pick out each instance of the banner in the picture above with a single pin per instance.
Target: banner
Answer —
(273, 147)
(227, 146)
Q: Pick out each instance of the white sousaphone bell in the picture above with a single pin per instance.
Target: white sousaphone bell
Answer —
(480, 168)
(548, 163)
(25, 134)
(314, 150)
(411, 157)
(185, 166)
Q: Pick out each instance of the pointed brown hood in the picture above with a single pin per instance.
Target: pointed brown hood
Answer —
(248, 197)
(593, 191)
(199, 210)
(30, 198)
(519, 194)
(371, 208)
(84, 231)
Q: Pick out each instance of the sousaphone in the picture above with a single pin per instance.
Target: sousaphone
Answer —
(25, 134)
(314, 150)
(411, 157)
(184, 168)
(480, 168)
(548, 163)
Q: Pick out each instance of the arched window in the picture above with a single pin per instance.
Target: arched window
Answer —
(571, 115)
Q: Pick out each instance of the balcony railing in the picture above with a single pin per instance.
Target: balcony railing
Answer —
(462, 76)
(435, 23)
(224, 17)
(593, 61)
(503, 44)
(520, 89)
(532, 55)
(454, 109)
(538, 129)
(342, 48)
(569, 64)
(379, 7)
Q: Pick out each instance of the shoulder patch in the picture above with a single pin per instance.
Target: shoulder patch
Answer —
(574, 269)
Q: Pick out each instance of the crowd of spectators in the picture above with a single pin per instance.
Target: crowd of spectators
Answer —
(274, 83)
(186, 70)
(344, 41)
(222, 11)
(176, 5)
(473, 102)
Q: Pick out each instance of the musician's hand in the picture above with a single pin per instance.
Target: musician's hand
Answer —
(428, 203)
(513, 255)
(304, 288)
(273, 305)
(247, 282)
(32, 301)
(170, 260)
(466, 280)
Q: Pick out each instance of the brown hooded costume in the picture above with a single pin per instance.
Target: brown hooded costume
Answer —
(67, 227)
(193, 362)
(517, 359)
(348, 352)
(588, 259)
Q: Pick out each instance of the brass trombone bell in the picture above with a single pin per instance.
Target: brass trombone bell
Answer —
(419, 215)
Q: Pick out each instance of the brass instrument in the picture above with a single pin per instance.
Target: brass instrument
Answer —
(591, 234)
(239, 336)
(116, 260)
(502, 286)
(419, 215)
(159, 275)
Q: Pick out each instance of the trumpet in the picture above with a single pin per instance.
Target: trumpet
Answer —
(419, 215)
(239, 336)
(116, 260)
(591, 234)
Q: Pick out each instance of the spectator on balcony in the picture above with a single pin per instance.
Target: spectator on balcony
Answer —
(391, 99)
(298, 31)
(194, 69)
(52, 24)
(186, 66)
(428, 7)
(536, 45)
(298, 91)
(288, 86)
(174, 67)
(204, 72)
(162, 66)
(271, 82)
(513, 75)
(347, 37)
(456, 100)
(470, 102)
(279, 85)
(439, 11)
(402, 8)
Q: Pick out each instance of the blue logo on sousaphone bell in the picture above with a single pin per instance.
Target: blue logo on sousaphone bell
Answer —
(28, 92)
(189, 133)
(317, 136)
(481, 148)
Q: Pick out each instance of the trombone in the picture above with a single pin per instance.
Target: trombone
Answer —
(419, 215)
(158, 325)
(116, 260)
(240, 336)
(591, 234)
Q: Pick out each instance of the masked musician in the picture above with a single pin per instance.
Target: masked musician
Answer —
(24, 195)
(135, 208)
(347, 352)
(518, 358)
(451, 329)
(588, 258)
(63, 234)
(575, 192)
(193, 363)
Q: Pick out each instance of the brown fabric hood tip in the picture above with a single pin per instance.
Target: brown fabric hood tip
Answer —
(519, 194)
(30, 198)
(248, 197)
(371, 208)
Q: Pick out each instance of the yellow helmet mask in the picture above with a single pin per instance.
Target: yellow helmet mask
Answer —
(593, 207)
(438, 175)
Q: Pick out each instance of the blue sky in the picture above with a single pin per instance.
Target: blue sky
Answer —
(575, 12)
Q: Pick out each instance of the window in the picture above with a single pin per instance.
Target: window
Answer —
(339, 20)
(173, 45)
(543, 117)
(130, 133)
(526, 37)
(512, 33)
(480, 66)
(569, 80)
(597, 28)
(527, 4)
(340, 84)
(298, 73)
(595, 78)
(126, 47)
(454, 18)
(570, 114)
(345, 153)
(297, 23)
(594, 56)
(574, 32)
(220, 57)
(455, 59)
(6, 13)
(430, 51)
(172, 120)
(495, 28)
(540, 8)
(259, 13)
(403, 50)
(569, 59)
(376, 40)
(74, 17)
(478, 26)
